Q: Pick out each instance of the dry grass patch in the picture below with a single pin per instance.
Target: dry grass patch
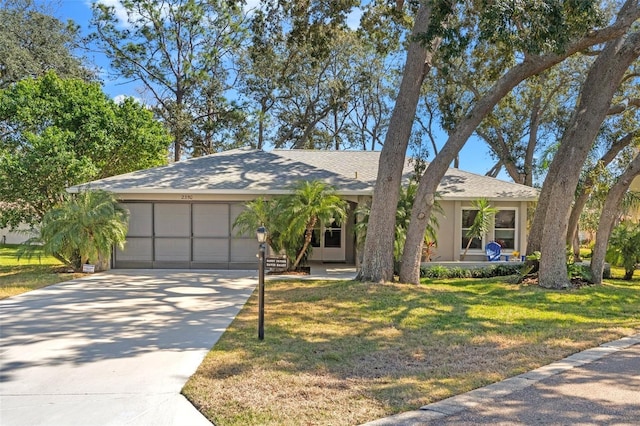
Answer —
(348, 352)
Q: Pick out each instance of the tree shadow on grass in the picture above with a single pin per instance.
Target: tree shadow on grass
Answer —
(405, 346)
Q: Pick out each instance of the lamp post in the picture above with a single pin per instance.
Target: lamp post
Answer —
(261, 235)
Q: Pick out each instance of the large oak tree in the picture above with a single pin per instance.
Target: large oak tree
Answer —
(546, 40)
(33, 42)
(550, 225)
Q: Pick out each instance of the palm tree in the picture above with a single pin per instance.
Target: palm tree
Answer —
(261, 212)
(83, 228)
(310, 204)
(481, 223)
(403, 215)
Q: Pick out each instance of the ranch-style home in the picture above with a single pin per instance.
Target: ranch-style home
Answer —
(181, 215)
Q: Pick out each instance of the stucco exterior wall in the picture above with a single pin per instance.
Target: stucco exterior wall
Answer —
(450, 230)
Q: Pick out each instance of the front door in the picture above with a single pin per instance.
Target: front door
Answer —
(328, 244)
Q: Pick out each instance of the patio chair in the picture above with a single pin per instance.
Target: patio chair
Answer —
(493, 251)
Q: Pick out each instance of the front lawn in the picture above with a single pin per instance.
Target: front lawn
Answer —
(342, 353)
(19, 276)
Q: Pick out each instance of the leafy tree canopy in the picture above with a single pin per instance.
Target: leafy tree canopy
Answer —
(33, 42)
(57, 133)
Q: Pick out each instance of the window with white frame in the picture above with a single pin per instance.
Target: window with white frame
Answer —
(332, 237)
(505, 228)
(504, 231)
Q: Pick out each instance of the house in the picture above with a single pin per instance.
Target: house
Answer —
(181, 215)
(16, 235)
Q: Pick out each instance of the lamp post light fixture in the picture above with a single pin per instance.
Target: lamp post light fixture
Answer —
(261, 235)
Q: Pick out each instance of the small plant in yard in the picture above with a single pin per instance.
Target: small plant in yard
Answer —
(84, 227)
(624, 247)
(437, 271)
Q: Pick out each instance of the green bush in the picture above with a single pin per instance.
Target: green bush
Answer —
(499, 270)
(624, 247)
(579, 270)
(437, 271)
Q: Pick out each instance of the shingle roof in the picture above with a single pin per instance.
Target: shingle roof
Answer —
(250, 171)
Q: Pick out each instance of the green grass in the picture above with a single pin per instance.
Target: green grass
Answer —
(22, 275)
(349, 352)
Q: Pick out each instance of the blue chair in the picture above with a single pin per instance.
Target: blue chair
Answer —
(493, 251)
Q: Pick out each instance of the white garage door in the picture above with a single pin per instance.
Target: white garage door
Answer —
(185, 235)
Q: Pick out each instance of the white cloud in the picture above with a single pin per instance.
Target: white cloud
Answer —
(120, 11)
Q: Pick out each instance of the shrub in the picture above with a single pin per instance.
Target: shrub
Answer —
(624, 247)
(440, 271)
(579, 270)
(505, 269)
(437, 271)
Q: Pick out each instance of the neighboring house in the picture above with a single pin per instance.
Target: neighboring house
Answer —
(182, 214)
(16, 236)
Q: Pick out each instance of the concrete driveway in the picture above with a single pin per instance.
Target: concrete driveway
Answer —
(113, 348)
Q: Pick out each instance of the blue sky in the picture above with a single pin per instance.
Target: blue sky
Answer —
(474, 157)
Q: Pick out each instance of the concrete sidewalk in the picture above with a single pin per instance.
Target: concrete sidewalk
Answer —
(113, 348)
(599, 386)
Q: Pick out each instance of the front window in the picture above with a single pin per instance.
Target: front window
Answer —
(505, 229)
(333, 237)
(468, 216)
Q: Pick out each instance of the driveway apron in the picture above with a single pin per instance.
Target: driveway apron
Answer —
(113, 348)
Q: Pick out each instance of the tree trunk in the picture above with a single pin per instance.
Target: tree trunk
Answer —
(628, 14)
(308, 235)
(561, 181)
(576, 246)
(377, 262)
(583, 195)
(532, 65)
(608, 217)
(532, 143)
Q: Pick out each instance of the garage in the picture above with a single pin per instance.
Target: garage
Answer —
(185, 235)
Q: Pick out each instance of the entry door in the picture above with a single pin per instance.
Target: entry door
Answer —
(330, 246)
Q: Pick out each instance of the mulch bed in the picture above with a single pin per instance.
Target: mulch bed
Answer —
(576, 282)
